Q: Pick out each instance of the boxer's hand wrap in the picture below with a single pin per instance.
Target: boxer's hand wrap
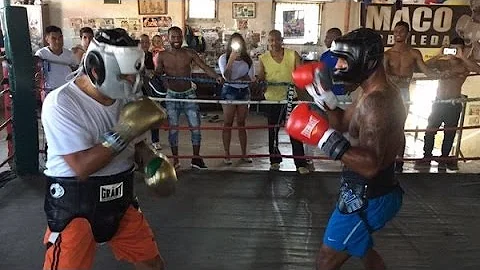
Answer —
(334, 144)
(112, 140)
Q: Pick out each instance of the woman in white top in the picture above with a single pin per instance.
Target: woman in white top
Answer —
(236, 65)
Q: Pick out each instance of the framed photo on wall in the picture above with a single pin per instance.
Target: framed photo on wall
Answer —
(152, 7)
(243, 10)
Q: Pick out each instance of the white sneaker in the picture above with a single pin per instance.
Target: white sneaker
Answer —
(227, 161)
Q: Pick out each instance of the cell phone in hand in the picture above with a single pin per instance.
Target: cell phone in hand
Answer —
(449, 51)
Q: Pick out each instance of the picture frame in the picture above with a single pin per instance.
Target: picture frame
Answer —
(152, 7)
(244, 10)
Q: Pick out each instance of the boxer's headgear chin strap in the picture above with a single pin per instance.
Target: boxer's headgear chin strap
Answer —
(363, 51)
(110, 54)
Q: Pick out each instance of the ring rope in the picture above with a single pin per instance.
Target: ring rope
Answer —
(211, 81)
(254, 127)
(247, 102)
(321, 157)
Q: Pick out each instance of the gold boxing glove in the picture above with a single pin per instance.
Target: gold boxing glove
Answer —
(136, 118)
(160, 175)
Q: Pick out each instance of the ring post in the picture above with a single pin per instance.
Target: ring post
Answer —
(24, 117)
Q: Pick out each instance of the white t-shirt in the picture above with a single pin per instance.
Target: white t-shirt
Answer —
(55, 73)
(73, 121)
(239, 69)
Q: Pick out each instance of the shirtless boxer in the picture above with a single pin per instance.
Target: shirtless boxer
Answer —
(455, 69)
(370, 195)
(177, 62)
(400, 63)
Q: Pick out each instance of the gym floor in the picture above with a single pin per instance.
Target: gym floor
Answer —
(244, 217)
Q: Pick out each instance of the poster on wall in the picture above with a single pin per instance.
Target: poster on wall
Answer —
(294, 24)
(152, 7)
(432, 24)
(159, 21)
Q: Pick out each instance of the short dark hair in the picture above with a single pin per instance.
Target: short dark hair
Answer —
(86, 30)
(275, 32)
(404, 24)
(174, 28)
(335, 30)
(52, 29)
(457, 41)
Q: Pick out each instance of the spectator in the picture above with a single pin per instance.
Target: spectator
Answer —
(235, 65)
(277, 65)
(455, 69)
(58, 62)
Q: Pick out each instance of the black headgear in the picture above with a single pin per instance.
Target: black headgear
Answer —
(363, 51)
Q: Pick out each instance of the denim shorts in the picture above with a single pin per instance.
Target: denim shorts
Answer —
(233, 93)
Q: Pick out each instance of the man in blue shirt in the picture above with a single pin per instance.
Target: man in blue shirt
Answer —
(330, 60)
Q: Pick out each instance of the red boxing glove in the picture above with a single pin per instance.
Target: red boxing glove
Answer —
(306, 124)
(305, 74)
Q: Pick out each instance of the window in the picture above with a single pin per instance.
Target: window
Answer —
(298, 22)
(202, 9)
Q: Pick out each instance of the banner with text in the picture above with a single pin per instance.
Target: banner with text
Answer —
(431, 25)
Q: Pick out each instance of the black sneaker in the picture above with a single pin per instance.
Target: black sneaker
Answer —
(198, 163)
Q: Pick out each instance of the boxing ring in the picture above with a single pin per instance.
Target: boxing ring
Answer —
(246, 217)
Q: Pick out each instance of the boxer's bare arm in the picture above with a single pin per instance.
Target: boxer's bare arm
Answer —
(340, 119)
(86, 162)
(367, 158)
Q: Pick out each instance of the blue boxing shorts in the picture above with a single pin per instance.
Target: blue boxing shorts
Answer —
(349, 233)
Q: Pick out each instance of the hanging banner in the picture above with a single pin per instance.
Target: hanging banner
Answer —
(432, 23)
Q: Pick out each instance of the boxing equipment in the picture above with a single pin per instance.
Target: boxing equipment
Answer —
(304, 75)
(306, 124)
(102, 200)
(316, 78)
(363, 51)
(136, 118)
(159, 174)
(468, 29)
(112, 53)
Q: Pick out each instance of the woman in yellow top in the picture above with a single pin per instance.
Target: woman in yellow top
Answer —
(277, 65)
